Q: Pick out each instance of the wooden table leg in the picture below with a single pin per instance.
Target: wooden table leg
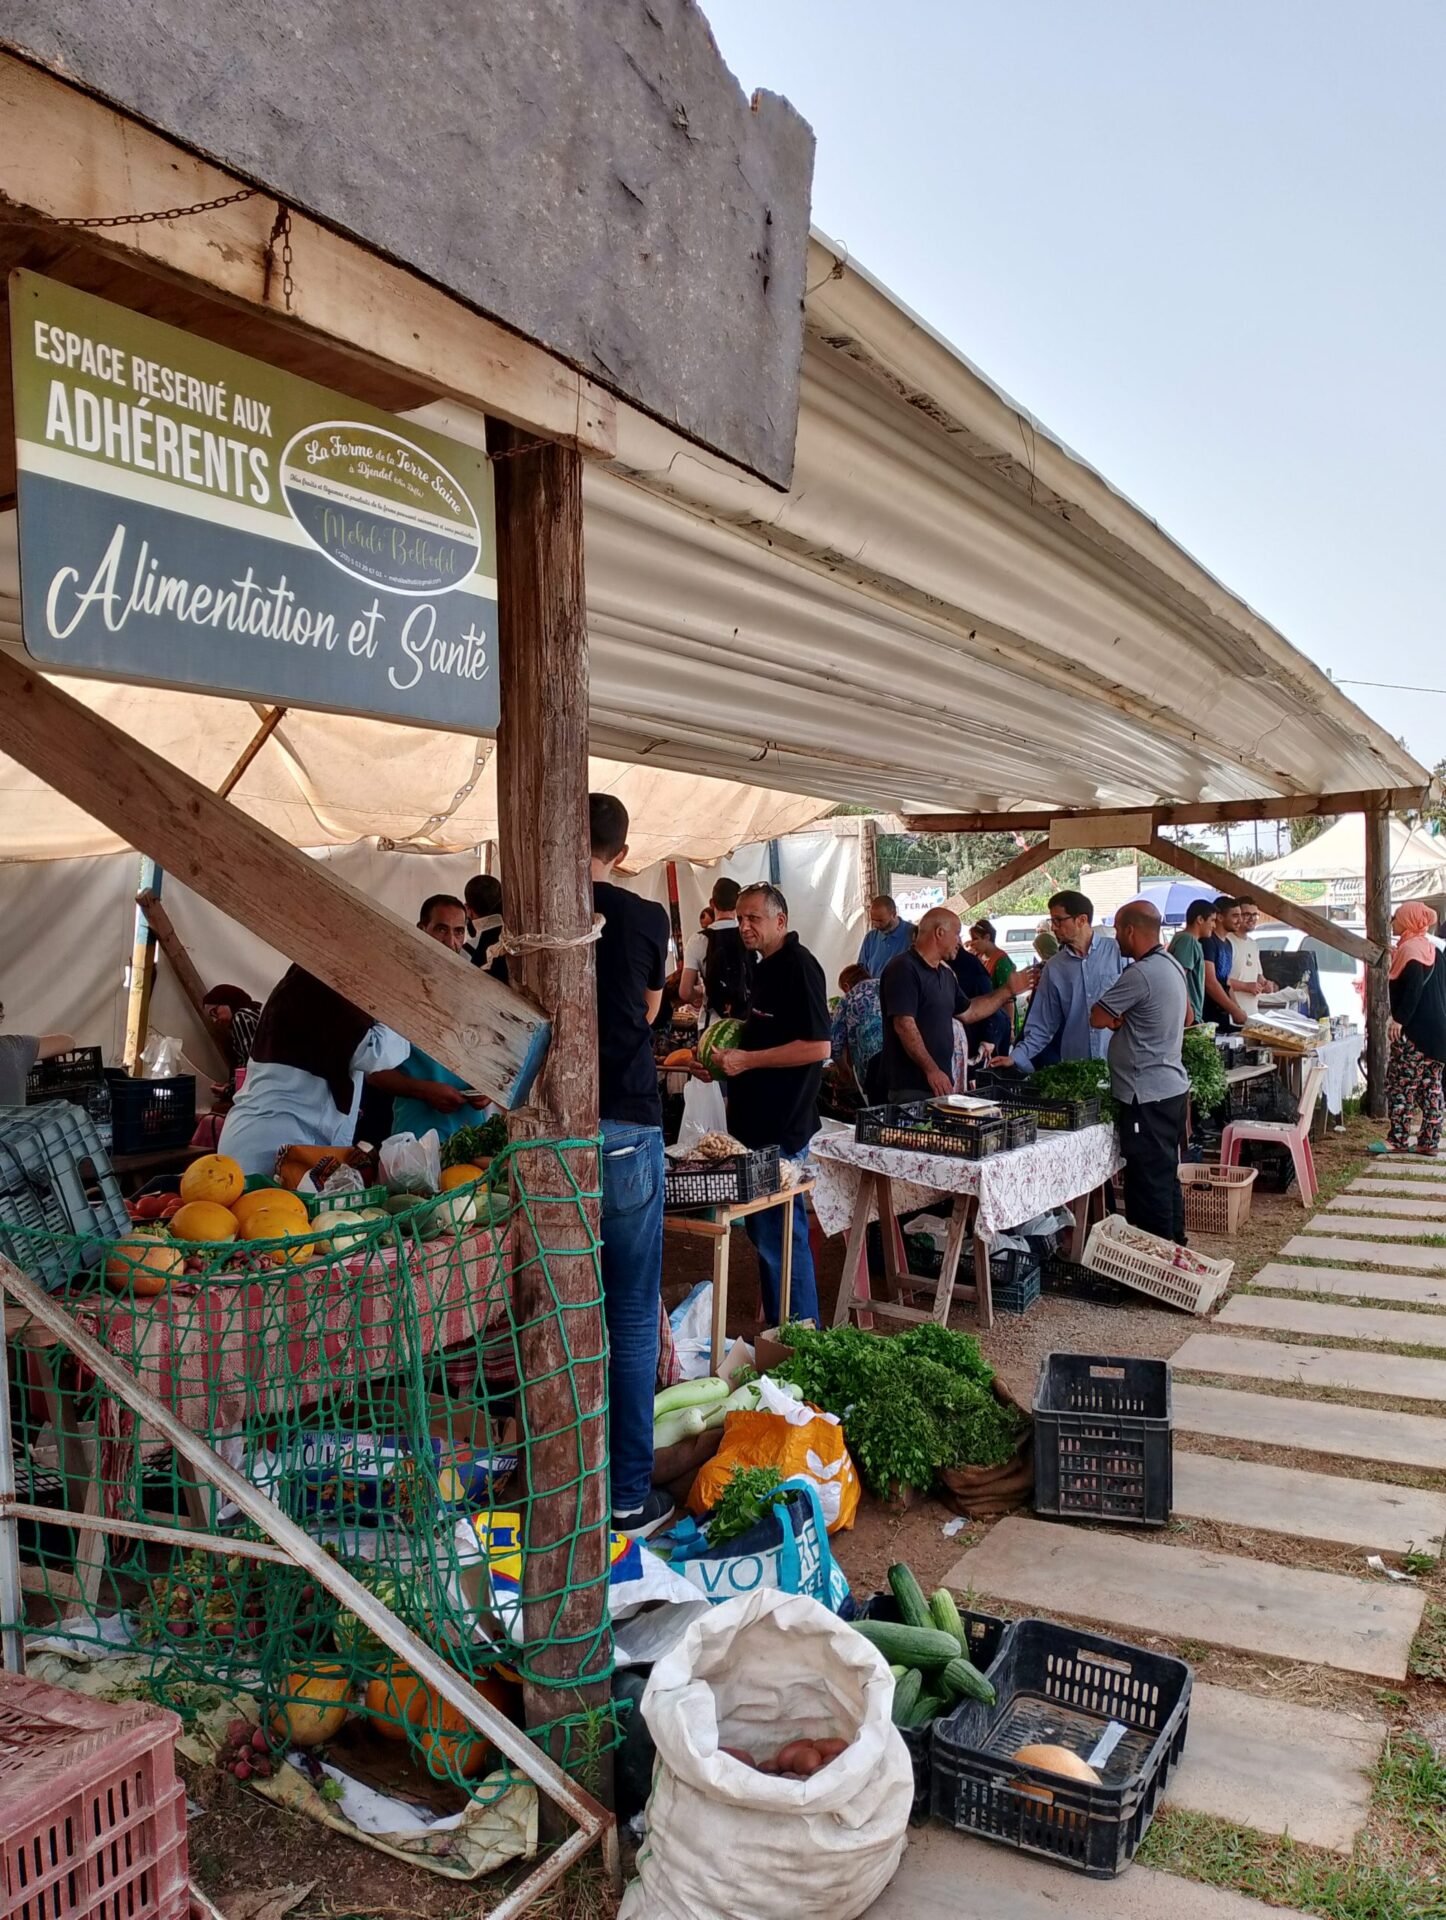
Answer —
(983, 1283)
(785, 1276)
(853, 1286)
(960, 1215)
(720, 1295)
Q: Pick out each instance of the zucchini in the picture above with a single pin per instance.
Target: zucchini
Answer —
(685, 1424)
(909, 1597)
(928, 1707)
(944, 1614)
(962, 1678)
(923, 1647)
(704, 1393)
(906, 1697)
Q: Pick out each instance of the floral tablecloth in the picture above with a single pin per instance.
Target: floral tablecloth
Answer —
(1011, 1187)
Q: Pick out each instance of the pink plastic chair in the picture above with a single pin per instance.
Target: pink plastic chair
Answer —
(1294, 1134)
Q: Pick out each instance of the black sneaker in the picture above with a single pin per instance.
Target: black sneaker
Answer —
(638, 1523)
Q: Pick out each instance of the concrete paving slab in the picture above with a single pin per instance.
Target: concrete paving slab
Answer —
(1277, 1767)
(1398, 1182)
(1131, 1586)
(1315, 1426)
(1354, 1283)
(1393, 1205)
(1325, 1320)
(955, 1876)
(1364, 1253)
(1396, 1374)
(1378, 1227)
(1411, 1163)
(1309, 1506)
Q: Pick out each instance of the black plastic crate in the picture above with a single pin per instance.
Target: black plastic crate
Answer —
(1051, 1115)
(1060, 1687)
(65, 1073)
(985, 1634)
(1076, 1281)
(1020, 1130)
(1015, 1296)
(1103, 1439)
(920, 1128)
(151, 1116)
(721, 1183)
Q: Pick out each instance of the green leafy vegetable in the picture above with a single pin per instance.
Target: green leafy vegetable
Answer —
(469, 1145)
(910, 1403)
(1075, 1080)
(745, 1499)
(1206, 1071)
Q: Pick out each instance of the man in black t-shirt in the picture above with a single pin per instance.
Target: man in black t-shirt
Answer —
(921, 998)
(632, 964)
(774, 1074)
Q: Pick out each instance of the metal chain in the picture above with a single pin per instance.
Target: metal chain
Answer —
(170, 213)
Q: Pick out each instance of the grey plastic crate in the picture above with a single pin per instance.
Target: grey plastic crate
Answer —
(59, 1200)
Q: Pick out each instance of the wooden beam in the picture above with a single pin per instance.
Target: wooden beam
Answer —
(456, 1012)
(1378, 929)
(1238, 887)
(271, 719)
(184, 968)
(67, 156)
(988, 884)
(142, 971)
(542, 810)
(1194, 813)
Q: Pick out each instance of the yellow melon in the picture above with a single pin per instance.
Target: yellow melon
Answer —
(215, 1177)
(203, 1220)
(464, 1174)
(279, 1201)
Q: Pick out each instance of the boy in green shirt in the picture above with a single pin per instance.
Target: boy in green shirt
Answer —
(1186, 948)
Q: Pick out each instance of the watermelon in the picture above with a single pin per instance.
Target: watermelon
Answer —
(721, 1035)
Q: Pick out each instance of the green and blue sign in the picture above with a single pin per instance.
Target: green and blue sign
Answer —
(190, 517)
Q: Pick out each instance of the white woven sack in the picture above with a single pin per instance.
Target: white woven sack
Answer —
(726, 1843)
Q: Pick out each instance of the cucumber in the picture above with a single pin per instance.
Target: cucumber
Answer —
(909, 1597)
(923, 1647)
(944, 1614)
(705, 1393)
(928, 1707)
(898, 1672)
(906, 1697)
(963, 1679)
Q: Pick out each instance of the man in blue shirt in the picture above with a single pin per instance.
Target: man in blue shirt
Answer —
(1086, 966)
(888, 935)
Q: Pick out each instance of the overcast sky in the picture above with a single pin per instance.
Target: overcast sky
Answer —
(1203, 244)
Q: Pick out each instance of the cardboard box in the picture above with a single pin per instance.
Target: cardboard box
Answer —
(769, 1351)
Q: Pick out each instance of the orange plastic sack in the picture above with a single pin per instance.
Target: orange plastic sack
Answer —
(801, 1443)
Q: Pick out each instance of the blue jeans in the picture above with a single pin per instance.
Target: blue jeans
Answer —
(765, 1230)
(632, 1276)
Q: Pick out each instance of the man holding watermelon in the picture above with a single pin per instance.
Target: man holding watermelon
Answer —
(774, 1069)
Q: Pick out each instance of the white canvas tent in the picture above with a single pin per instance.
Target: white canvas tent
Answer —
(1336, 859)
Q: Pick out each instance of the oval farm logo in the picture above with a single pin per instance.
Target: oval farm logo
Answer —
(380, 508)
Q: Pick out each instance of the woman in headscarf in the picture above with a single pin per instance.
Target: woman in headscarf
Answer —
(1418, 1032)
(304, 1078)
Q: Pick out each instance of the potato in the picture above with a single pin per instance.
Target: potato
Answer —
(740, 1754)
(829, 1750)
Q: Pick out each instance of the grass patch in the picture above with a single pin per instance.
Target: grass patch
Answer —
(1411, 1786)
(1288, 1875)
(1428, 1649)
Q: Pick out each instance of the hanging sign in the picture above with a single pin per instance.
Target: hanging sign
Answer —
(191, 517)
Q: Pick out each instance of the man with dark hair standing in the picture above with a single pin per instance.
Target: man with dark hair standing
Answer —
(887, 936)
(1145, 1013)
(425, 1095)
(1057, 1026)
(484, 915)
(1188, 948)
(1221, 1004)
(632, 965)
(774, 1075)
(716, 964)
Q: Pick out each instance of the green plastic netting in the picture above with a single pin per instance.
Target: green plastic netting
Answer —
(366, 1378)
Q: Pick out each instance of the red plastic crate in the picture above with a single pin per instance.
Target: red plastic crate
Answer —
(92, 1816)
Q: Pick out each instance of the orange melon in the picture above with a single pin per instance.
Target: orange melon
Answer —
(203, 1220)
(215, 1177)
(316, 1706)
(464, 1174)
(278, 1200)
(396, 1700)
(143, 1264)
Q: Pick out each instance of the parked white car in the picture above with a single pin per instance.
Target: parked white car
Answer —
(1339, 974)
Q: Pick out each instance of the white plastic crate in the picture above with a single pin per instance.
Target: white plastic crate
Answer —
(1177, 1275)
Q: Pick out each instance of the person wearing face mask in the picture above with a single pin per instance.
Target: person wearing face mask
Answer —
(425, 1095)
(1057, 1026)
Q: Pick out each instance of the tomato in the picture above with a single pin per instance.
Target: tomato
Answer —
(170, 1206)
(152, 1206)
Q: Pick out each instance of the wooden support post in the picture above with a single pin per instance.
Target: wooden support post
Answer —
(1378, 930)
(675, 911)
(976, 892)
(543, 821)
(143, 970)
(868, 863)
(1290, 911)
(182, 965)
(482, 1030)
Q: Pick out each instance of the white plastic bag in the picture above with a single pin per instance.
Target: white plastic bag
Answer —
(410, 1165)
(704, 1111)
(161, 1057)
(692, 1327)
(726, 1843)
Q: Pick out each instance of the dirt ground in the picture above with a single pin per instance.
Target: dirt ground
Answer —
(242, 1842)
